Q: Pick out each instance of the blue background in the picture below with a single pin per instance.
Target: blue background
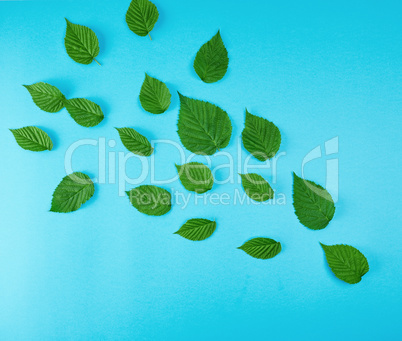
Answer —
(318, 69)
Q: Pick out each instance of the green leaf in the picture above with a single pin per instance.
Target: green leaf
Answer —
(141, 17)
(261, 137)
(261, 248)
(197, 229)
(195, 177)
(346, 262)
(81, 43)
(73, 191)
(313, 205)
(32, 138)
(135, 142)
(211, 61)
(151, 200)
(203, 127)
(256, 187)
(84, 111)
(154, 95)
(47, 97)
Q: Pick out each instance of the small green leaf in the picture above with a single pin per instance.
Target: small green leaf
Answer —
(154, 95)
(195, 177)
(211, 61)
(47, 97)
(151, 200)
(203, 127)
(73, 191)
(346, 262)
(135, 142)
(32, 138)
(261, 137)
(84, 111)
(141, 17)
(81, 43)
(256, 187)
(197, 229)
(313, 205)
(261, 248)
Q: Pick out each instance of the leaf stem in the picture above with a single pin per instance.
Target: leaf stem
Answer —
(149, 36)
(97, 62)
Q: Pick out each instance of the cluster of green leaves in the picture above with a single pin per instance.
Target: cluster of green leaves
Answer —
(203, 128)
(50, 99)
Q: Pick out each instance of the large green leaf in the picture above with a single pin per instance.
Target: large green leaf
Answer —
(203, 127)
(195, 177)
(154, 96)
(141, 17)
(81, 43)
(84, 111)
(262, 248)
(135, 142)
(32, 138)
(151, 200)
(346, 262)
(261, 137)
(211, 61)
(197, 229)
(47, 97)
(313, 205)
(256, 187)
(73, 191)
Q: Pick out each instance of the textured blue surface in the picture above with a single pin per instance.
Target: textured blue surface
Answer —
(318, 69)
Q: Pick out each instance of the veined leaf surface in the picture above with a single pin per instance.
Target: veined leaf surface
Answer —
(203, 127)
(81, 43)
(73, 191)
(262, 248)
(141, 17)
(154, 96)
(32, 138)
(47, 97)
(150, 200)
(197, 229)
(195, 177)
(313, 204)
(346, 262)
(256, 187)
(261, 137)
(85, 112)
(135, 142)
(211, 61)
